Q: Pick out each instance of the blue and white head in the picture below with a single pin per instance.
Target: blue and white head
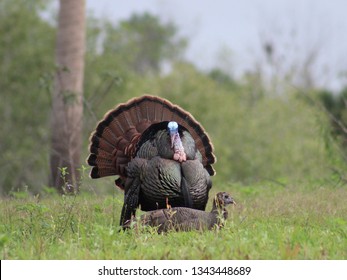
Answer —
(172, 127)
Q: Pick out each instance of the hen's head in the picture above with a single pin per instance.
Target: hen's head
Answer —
(222, 199)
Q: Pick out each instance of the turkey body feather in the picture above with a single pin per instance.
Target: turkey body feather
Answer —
(155, 165)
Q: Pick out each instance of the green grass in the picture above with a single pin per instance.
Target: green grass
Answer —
(270, 221)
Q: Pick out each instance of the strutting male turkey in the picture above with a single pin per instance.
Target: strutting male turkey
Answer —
(185, 219)
(161, 154)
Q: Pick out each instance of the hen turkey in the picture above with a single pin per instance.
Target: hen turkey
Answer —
(185, 219)
(159, 151)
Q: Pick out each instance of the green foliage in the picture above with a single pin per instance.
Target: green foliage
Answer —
(223, 80)
(336, 106)
(26, 43)
(142, 43)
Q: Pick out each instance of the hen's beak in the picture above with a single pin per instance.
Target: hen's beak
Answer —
(231, 201)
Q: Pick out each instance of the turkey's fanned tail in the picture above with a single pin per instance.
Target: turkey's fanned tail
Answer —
(114, 142)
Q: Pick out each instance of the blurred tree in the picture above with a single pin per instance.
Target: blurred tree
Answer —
(26, 45)
(67, 111)
(223, 78)
(143, 43)
(336, 106)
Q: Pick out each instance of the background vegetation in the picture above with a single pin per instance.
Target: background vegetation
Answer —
(281, 148)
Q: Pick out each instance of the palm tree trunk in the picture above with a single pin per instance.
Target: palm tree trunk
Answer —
(67, 100)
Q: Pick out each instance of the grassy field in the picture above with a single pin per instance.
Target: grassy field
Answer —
(270, 221)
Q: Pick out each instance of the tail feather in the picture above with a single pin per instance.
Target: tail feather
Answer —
(102, 172)
(100, 153)
(117, 127)
(96, 160)
(114, 140)
(100, 143)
